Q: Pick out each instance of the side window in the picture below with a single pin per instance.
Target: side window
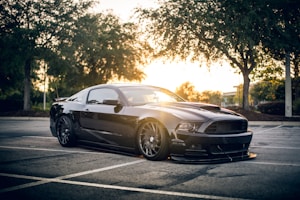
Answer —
(97, 96)
(77, 97)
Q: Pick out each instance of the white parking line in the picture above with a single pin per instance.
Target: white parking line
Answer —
(274, 147)
(267, 129)
(39, 137)
(100, 169)
(61, 179)
(161, 192)
(104, 186)
(47, 180)
(274, 163)
(52, 150)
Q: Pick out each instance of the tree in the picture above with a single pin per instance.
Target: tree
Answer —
(213, 97)
(268, 68)
(282, 31)
(10, 75)
(265, 91)
(188, 91)
(231, 30)
(31, 29)
(283, 41)
(102, 49)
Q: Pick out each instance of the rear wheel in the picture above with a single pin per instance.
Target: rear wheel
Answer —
(65, 131)
(152, 141)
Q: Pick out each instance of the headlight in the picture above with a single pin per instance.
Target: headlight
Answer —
(190, 127)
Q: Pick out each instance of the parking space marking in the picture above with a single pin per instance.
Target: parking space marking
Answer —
(62, 179)
(40, 137)
(267, 129)
(100, 169)
(161, 192)
(274, 147)
(47, 180)
(53, 150)
(104, 186)
(274, 163)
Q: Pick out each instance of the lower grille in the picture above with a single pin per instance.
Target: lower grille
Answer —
(227, 127)
(228, 148)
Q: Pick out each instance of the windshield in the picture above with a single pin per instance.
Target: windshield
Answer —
(145, 95)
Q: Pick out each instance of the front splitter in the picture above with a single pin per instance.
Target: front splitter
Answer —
(223, 159)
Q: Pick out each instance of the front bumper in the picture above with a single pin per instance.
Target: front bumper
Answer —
(211, 148)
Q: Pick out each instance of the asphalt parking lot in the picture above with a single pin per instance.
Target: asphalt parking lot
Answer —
(34, 166)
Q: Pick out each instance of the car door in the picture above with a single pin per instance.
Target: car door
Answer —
(104, 122)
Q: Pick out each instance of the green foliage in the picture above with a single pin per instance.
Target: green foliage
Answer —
(266, 91)
(282, 28)
(102, 49)
(274, 91)
(296, 107)
(185, 29)
(234, 30)
(11, 62)
(268, 69)
(31, 29)
(79, 49)
(273, 108)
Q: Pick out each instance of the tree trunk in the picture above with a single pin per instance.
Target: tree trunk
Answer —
(27, 85)
(246, 86)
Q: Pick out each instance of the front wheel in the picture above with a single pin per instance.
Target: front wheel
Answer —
(65, 131)
(152, 141)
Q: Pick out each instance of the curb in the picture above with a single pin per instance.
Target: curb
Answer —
(251, 123)
(273, 123)
(26, 118)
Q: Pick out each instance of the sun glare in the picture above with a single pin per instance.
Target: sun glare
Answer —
(172, 75)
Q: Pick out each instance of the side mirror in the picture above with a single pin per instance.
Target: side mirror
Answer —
(111, 102)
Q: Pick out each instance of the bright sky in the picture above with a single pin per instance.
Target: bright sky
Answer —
(172, 75)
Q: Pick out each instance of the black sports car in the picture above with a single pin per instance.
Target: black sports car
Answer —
(151, 121)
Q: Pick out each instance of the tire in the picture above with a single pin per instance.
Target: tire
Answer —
(65, 131)
(152, 141)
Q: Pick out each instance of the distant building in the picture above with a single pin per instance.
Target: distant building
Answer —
(228, 99)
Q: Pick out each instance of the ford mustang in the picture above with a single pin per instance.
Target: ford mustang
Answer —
(152, 122)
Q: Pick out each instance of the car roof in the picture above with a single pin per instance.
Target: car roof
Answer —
(120, 85)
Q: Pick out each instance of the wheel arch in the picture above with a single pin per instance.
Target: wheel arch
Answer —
(165, 132)
(147, 119)
(55, 116)
(72, 139)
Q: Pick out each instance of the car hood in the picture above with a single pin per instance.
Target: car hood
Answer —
(195, 110)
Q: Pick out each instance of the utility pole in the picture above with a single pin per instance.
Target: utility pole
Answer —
(45, 92)
(288, 86)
